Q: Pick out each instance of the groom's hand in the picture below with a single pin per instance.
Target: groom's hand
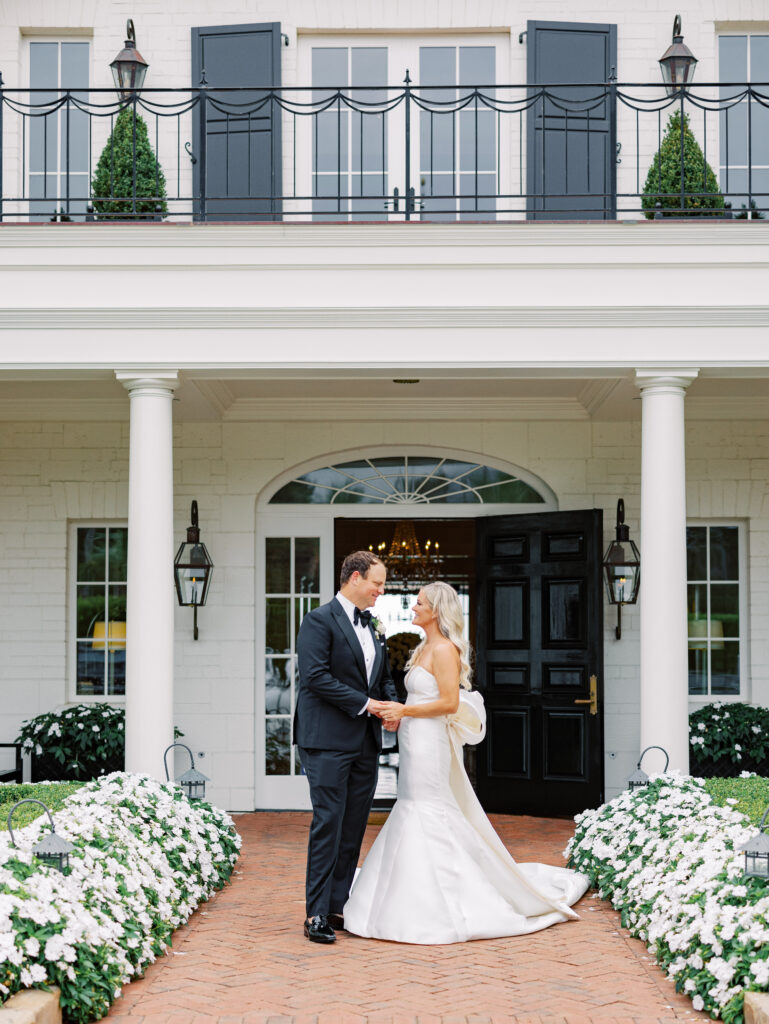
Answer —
(375, 707)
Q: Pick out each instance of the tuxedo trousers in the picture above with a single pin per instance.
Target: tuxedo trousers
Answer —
(342, 785)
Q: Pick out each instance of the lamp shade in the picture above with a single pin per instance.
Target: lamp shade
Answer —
(129, 67)
(678, 62)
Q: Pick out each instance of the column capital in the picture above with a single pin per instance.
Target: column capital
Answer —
(669, 379)
(159, 382)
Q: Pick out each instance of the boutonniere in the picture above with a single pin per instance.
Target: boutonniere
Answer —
(378, 627)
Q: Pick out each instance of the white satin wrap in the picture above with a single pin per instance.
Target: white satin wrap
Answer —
(438, 872)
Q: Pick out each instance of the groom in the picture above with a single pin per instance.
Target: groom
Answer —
(344, 674)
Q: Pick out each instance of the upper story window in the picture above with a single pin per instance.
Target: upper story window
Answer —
(58, 143)
(400, 479)
(361, 146)
(717, 616)
(744, 135)
(99, 627)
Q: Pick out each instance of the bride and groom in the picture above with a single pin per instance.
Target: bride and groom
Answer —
(437, 872)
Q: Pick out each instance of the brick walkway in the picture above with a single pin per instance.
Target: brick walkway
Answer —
(242, 958)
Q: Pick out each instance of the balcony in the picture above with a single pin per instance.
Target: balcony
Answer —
(481, 153)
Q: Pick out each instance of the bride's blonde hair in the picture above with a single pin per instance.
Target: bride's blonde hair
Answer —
(444, 601)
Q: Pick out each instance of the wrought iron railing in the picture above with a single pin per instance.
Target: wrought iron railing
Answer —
(429, 153)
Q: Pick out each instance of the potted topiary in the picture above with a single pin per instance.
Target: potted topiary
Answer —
(662, 190)
(113, 183)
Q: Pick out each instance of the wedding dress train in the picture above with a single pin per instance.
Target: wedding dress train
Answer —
(438, 872)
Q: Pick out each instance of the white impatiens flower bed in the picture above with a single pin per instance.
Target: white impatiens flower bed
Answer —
(668, 859)
(144, 858)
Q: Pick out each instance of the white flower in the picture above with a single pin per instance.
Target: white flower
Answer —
(698, 1003)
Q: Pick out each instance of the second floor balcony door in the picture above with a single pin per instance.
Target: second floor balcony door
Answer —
(379, 151)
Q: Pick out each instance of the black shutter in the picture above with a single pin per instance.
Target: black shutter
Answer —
(571, 156)
(241, 149)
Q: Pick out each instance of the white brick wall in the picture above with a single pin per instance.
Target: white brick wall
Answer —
(51, 473)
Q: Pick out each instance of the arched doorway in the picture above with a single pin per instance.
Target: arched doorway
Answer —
(295, 559)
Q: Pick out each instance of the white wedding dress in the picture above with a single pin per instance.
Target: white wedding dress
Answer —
(438, 872)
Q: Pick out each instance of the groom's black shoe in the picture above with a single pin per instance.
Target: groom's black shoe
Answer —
(317, 929)
(336, 921)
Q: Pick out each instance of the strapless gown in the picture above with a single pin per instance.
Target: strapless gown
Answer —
(438, 872)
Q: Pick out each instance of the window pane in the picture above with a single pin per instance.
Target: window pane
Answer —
(277, 695)
(74, 65)
(277, 755)
(759, 58)
(278, 564)
(306, 565)
(478, 140)
(90, 610)
(329, 66)
(697, 598)
(477, 65)
(117, 611)
(724, 610)
(118, 554)
(724, 564)
(725, 668)
(437, 141)
(698, 670)
(303, 605)
(90, 669)
(734, 135)
(437, 66)
(277, 625)
(696, 553)
(116, 672)
(733, 58)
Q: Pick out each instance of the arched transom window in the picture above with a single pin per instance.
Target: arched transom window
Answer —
(428, 480)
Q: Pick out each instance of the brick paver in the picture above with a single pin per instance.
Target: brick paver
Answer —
(242, 958)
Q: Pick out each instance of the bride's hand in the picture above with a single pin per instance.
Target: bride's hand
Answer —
(390, 711)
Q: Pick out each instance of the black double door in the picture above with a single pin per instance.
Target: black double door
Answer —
(539, 662)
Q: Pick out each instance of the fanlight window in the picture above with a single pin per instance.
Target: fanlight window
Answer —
(413, 479)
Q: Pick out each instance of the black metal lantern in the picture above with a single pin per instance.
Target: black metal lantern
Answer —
(129, 67)
(677, 62)
(192, 569)
(192, 782)
(51, 849)
(756, 852)
(622, 568)
(639, 778)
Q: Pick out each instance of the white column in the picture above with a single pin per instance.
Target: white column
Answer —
(150, 611)
(664, 670)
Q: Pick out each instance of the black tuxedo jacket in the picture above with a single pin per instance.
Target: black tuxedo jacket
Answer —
(332, 682)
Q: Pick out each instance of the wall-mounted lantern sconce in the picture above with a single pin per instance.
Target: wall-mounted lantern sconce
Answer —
(51, 849)
(192, 569)
(756, 852)
(639, 778)
(192, 782)
(677, 62)
(129, 67)
(622, 568)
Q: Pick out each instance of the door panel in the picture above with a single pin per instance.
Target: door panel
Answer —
(571, 142)
(243, 161)
(539, 642)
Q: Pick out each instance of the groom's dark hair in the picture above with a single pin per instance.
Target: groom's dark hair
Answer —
(358, 561)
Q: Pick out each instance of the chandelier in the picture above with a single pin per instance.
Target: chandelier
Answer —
(408, 566)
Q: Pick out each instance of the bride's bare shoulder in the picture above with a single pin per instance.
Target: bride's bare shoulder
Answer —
(445, 654)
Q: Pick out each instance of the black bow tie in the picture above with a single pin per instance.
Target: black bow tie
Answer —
(359, 616)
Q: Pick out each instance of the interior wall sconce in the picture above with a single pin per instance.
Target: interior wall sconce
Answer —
(622, 568)
(192, 569)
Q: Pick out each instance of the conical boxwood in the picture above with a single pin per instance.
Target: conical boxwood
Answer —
(663, 182)
(113, 187)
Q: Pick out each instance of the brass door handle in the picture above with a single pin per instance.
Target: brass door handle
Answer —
(593, 699)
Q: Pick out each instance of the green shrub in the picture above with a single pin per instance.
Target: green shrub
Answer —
(82, 741)
(664, 175)
(52, 794)
(113, 187)
(751, 794)
(733, 732)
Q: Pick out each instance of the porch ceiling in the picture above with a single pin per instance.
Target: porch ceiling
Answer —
(312, 395)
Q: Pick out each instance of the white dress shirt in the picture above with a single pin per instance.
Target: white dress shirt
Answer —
(363, 634)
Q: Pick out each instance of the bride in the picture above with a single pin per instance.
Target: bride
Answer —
(438, 872)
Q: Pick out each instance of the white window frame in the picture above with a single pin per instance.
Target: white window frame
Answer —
(58, 36)
(748, 30)
(73, 696)
(698, 699)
